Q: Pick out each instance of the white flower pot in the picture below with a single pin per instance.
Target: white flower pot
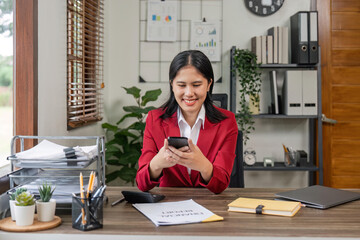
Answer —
(24, 215)
(12, 209)
(45, 210)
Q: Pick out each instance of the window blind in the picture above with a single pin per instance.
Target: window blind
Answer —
(85, 34)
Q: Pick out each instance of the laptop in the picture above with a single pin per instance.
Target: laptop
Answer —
(319, 196)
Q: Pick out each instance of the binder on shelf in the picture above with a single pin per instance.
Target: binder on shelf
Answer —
(280, 48)
(263, 49)
(299, 38)
(274, 94)
(285, 45)
(269, 50)
(256, 47)
(313, 37)
(292, 93)
(309, 91)
(274, 32)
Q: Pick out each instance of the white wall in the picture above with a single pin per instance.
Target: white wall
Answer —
(121, 69)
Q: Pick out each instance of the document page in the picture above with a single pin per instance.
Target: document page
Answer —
(171, 213)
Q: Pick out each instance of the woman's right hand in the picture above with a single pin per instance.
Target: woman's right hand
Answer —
(160, 161)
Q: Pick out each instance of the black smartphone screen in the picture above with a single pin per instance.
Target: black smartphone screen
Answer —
(178, 142)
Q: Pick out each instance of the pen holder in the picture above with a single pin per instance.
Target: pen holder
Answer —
(87, 213)
(291, 158)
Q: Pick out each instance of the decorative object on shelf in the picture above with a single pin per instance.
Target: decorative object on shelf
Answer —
(123, 147)
(268, 162)
(254, 104)
(24, 209)
(248, 71)
(46, 205)
(249, 156)
(13, 200)
(263, 8)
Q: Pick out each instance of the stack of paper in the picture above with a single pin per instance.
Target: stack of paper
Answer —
(172, 213)
(50, 150)
(271, 207)
(47, 150)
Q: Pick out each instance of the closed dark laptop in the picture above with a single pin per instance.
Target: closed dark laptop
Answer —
(319, 196)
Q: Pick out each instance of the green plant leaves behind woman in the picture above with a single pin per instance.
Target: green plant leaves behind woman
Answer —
(123, 146)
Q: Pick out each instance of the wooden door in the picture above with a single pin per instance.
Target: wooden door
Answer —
(339, 36)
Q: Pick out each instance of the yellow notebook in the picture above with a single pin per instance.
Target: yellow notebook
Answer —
(271, 207)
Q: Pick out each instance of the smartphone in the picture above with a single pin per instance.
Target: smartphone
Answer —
(178, 142)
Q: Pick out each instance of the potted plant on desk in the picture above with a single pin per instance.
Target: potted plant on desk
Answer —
(13, 200)
(24, 209)
(46, 205)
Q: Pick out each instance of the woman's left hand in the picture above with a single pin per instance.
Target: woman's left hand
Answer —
(193, 159)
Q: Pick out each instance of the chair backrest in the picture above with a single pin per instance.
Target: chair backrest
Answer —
(220, 100)
(237, 175)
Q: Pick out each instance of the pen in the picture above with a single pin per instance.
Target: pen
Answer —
(118, 201)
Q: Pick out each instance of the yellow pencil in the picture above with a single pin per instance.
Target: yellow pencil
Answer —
(91, 180)
(285, 148)
(82, 198)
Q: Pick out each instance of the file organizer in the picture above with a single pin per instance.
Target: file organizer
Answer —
(62, 173)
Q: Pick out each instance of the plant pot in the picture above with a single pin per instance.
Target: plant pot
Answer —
(12, 209)
(45, 210)
(24, 215)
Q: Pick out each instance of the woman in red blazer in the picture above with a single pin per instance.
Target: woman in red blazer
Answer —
(208, 163)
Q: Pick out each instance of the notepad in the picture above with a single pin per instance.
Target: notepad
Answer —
(172, 213)
(271, 207)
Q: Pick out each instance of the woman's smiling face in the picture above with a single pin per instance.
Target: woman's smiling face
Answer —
(190, 89)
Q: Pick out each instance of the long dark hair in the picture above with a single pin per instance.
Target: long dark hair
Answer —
(198, 60)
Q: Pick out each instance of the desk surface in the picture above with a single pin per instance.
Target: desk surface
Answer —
(124, 220)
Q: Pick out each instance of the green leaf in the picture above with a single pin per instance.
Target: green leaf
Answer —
(127, 174)
(148, 109)
(112, 149)
(109, 127)
(149, 96)
(123, 134)
(112, 176)
(133, 91)
(133, 109)
(138, 126)
(137, 115)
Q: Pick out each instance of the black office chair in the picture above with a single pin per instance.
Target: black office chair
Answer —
(220, 100)
(237, 174)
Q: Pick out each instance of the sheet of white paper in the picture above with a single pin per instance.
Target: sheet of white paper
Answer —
(205, 37)
(171, 213)
(161, 20)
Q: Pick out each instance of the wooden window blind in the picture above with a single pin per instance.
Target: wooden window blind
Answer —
(85, 33)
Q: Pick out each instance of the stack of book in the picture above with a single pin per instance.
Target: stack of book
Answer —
(272, 48)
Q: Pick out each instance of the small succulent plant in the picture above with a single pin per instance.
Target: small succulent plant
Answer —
(46, 192)
(17, 192)
(25, 199)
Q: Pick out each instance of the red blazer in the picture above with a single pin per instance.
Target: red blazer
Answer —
(216, 141)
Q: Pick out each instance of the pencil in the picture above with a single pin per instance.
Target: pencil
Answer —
(285, 149)
(82, 198)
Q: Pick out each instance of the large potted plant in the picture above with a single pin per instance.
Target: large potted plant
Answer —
(46, 206)
(123, 146)
(24, 209)
(248, 72)
(13, 200)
